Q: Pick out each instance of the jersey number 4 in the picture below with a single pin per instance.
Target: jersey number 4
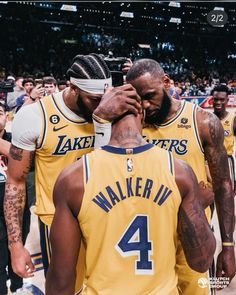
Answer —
(135, 242)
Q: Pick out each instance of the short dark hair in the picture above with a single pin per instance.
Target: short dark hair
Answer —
(90, 66)
(62, 82)
(143, 66)
(220, 88)
(28, 80)
(49, 80)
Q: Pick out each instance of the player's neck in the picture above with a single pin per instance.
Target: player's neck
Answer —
(70, 103)
(174, 109)
(126, 133)
(221, 115)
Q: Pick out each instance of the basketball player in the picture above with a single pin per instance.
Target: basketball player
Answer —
(56, 130)
(228, 121)
(126, 201)
(191, 134)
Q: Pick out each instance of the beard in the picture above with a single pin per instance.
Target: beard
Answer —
(160, 116)
(84, 111)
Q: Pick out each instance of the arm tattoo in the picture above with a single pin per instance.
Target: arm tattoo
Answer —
(14, 203)
(218, 164)
(193, 228)
(16, 153)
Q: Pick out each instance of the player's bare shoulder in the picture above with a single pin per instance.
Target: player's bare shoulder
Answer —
(69, 187)
(209, 127)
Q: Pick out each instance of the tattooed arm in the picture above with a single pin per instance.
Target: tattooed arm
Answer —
(212, 137)
(196, 237)
(19, 162)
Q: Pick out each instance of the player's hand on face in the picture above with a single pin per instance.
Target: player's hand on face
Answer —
(21, 262)
(206, 194)
(118, 100)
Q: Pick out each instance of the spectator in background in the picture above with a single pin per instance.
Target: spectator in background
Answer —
(3, 95)
(50, 85)
(28, 84)
(62, 84)
(19, 90)
(169, 86)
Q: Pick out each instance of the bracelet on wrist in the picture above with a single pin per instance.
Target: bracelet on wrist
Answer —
(33, 99)
(100, 120)
(228, 244)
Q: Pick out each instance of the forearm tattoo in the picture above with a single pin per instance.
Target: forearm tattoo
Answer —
(14, 203)
(193, 228)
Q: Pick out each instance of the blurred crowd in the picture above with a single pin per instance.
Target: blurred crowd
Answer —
(31, 87)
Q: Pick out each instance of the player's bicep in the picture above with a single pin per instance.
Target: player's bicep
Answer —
(214, 150)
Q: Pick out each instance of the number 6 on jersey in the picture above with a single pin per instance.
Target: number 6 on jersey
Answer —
(135, 242)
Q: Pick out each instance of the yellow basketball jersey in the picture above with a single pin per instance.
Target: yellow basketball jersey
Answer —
(228, 124)
(62, 142)
(128, 220)
(180, 137)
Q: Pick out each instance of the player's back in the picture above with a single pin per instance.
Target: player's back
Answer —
(128, 220)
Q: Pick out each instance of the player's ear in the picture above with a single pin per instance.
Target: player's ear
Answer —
(75, 90)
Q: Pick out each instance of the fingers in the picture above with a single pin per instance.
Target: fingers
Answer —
(109, 89)
(134, 104)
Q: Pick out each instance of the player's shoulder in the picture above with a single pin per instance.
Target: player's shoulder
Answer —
(69, 187)
(69, 177)
(206, 117)
(28, 112)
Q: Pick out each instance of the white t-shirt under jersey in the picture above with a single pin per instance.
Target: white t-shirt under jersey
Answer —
(27, 123)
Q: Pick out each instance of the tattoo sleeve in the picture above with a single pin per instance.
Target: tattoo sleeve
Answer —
(218, 164)
(15, 192)
(14, 204)
(194, 231)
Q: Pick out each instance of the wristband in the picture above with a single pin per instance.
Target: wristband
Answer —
(228, 244)
(100, 120)
(33, 99)
(102, 134)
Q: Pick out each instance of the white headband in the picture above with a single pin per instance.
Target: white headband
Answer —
(97, 86)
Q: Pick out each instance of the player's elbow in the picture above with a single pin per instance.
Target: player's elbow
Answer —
(203, 262)
(58, 283)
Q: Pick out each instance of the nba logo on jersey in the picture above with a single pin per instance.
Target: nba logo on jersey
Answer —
(129, 165)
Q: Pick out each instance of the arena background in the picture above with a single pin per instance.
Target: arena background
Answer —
(40, 38)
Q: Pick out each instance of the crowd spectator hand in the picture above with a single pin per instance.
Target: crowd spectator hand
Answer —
(127, 65)
(206, 194)
(37, 92)
(118, 100)
(21, 261)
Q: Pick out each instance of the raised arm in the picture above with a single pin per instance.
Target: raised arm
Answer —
(212, 136)
(196, 237)
(4, 147)
(19, 162)
(65, 232)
